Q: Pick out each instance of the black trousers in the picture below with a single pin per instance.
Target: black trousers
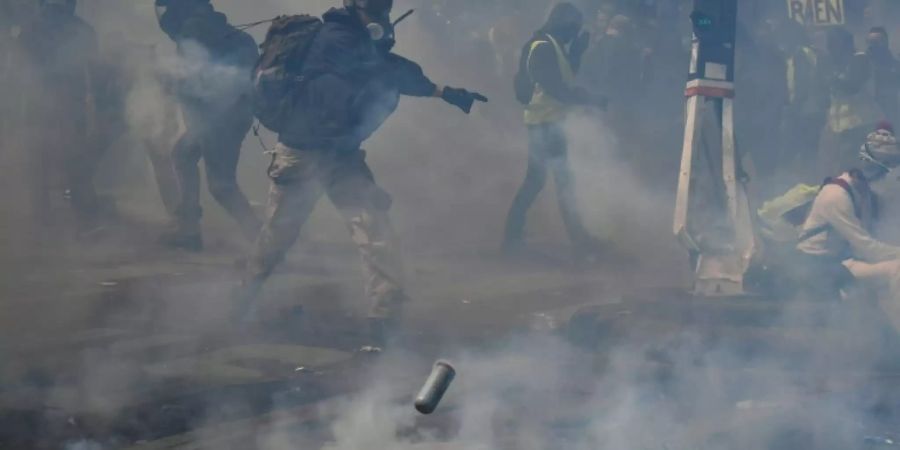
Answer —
(218, 144)
(547, 152)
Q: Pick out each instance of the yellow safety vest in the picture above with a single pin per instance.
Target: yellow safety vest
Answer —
(544, 108)
(849, 111)
(811, 59)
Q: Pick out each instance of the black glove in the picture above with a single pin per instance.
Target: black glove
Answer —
(462, 98)
(579, 46)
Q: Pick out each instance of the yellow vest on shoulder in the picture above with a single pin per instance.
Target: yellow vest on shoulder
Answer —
(544, 108)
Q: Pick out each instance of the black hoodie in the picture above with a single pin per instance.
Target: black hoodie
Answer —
(216, 68)
(351, 87)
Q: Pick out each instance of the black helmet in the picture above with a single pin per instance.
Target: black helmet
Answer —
(171, 14)
(375, 8)
(164, 6)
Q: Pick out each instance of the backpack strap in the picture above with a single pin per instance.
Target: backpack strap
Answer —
(849, 189)
(532, 46)
(836, 181)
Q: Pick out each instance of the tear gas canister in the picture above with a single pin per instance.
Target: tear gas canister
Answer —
(435, 387)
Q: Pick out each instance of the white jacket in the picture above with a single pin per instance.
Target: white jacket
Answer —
(846, 234)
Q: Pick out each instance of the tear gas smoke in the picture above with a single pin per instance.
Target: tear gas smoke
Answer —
(661, 386)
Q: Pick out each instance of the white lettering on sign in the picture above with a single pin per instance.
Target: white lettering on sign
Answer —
(817, 12)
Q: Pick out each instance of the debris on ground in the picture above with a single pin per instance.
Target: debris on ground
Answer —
(370, 349)
(880, 441)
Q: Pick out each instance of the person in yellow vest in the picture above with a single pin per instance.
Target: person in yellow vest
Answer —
(551, 59)
(806, 105)
(853, 111)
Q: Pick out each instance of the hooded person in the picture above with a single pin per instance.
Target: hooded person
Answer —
(351, 83)
(213, 89)
(60, 53)
(885, 72)
(551, 58)
(853, 110)
(837, 247)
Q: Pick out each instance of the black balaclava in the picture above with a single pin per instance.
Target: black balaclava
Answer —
(840, 45)
(878, 44)
(565, 22)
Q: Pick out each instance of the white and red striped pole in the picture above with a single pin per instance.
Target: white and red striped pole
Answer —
(712, 213)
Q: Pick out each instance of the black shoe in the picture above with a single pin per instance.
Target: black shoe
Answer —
(189, 242)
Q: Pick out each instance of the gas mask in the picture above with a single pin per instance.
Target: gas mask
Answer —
(384, 35)
(380, 29)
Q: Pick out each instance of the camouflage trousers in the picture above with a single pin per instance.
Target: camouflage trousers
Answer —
(299, 178)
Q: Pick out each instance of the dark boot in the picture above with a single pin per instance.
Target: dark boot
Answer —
(184, 236)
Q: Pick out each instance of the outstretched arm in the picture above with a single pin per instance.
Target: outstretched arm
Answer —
(413, 82)
(410, 78)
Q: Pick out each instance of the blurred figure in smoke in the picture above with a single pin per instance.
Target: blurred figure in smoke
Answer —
(837, 247)
(503, 37)
(806, 107)
(615, 65)
(853, 111)
(352, 84)
(61, 50)
(7, 109)
(550, 61)
(602, 19)
(760, 68)
(214, 94)
(136, 110)
(886, 73)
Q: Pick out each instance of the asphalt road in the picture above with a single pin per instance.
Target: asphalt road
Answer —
(125, 345)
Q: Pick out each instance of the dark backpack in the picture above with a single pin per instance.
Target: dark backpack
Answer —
(522, 82)
(858, 176)
(277, 75)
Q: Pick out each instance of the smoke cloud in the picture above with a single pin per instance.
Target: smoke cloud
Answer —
(651, 373)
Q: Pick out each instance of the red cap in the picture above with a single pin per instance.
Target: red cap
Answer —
(885, 125)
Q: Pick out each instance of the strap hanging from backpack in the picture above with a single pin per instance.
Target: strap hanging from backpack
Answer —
(837, 181)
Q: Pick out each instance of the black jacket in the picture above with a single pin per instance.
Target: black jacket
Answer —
(61, 53)
(350, 87)
(216, 70)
